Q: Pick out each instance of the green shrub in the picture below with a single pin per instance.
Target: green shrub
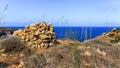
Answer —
(74, 54)
(116, 40)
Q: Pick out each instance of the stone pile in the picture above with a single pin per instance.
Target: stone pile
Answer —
(37, 35)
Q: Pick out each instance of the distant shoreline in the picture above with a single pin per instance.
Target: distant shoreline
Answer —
(60, 26)
(7, 29)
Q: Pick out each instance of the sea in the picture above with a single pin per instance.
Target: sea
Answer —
(78, 33)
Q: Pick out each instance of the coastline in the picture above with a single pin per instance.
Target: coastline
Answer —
(86, 54)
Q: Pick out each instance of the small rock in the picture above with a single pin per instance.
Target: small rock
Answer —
(46, 45)
(40, 41)
(34, 38)
(21, 64)
(23, 37)
(51, 44)
(17, 32)
(44, 36)
(101, 52)
(4, 55)
(87, 53)
(44, 24)
(27, 27)
(42, 45)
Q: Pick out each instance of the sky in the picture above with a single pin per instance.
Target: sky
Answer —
(62, 12)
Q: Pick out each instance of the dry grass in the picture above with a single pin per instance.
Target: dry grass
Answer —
(11, 44)
(95, 53)
(70, 56)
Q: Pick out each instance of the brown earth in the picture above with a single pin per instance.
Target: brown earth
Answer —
(95, 53)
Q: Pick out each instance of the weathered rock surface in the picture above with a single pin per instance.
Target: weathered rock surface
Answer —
(37, 35)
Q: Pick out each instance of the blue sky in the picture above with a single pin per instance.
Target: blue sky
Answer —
(63, 12)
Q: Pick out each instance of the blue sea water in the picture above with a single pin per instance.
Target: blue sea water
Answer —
(76, 32)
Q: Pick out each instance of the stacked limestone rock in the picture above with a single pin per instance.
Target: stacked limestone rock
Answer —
(37, 35)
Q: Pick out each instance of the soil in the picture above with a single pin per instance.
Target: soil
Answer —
(94, 53)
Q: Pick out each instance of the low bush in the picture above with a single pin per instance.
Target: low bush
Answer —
(11, 44)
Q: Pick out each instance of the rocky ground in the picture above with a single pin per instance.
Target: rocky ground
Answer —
(100, 52)
(95, 53)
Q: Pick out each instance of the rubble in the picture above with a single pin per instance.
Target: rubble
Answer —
(37, 35)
